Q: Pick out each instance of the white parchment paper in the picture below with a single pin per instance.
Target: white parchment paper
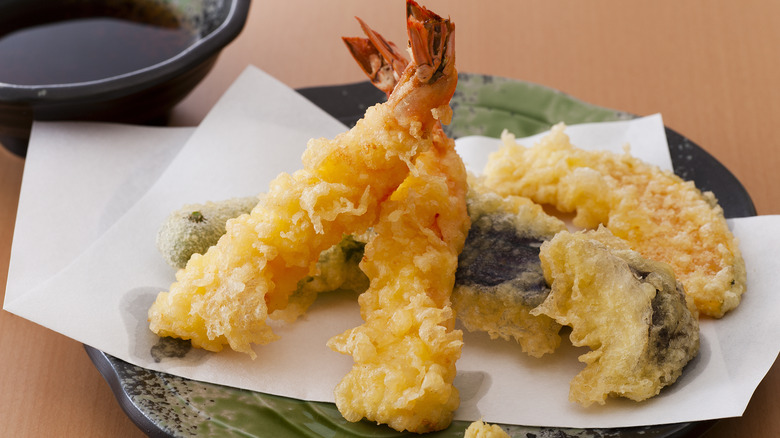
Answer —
(85, 264)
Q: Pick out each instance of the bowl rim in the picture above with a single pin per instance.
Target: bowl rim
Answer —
(128, 83)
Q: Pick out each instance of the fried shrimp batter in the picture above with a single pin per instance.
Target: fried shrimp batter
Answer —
(657, 213)
(406, 350)
(225, 295)
(629, 310)
(337, 269)
(499, 278)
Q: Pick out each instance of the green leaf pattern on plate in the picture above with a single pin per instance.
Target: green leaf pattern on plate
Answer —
(486, 105)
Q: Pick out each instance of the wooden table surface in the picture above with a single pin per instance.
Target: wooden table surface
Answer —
(710, 67)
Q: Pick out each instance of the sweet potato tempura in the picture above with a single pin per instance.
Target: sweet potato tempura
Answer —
(660, 215)
(224, 296)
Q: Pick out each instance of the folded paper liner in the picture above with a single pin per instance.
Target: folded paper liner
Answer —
(84, 264)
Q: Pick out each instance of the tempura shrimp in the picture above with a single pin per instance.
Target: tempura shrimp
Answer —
(224, 296)
(406, 350)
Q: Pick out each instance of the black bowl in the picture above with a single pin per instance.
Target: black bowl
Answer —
(143, 95)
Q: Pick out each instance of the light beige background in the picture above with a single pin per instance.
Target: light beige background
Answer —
(710, 67)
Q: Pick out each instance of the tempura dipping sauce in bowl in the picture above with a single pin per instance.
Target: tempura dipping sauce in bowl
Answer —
(124, 61)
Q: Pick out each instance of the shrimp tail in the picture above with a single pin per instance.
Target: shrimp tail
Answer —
(374, 63)
(432, 42)
(430, 79)
(432, 45)
(379, 58)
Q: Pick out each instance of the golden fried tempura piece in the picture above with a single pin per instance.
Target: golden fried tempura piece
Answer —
(405, 352)
(499, 278)
(657, 213)
(480, 429)
(337, 269)
(629, 310)
(224, 296)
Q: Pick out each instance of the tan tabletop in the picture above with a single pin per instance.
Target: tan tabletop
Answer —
(710, 67)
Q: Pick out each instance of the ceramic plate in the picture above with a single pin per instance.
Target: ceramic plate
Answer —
(163, 405)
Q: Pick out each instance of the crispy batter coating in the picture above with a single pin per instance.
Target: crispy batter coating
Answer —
(480, 429)
(657, 213)
(337, 269)
(629, 310)
(499, 278)
(405, 352)
(225, 295)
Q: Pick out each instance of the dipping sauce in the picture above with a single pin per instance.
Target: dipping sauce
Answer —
(86, 49)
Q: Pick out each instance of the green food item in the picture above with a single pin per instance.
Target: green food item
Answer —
(338, 268)
(194, 228)
(196, 217)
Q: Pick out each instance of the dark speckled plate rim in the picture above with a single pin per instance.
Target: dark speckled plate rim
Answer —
(348, 103)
